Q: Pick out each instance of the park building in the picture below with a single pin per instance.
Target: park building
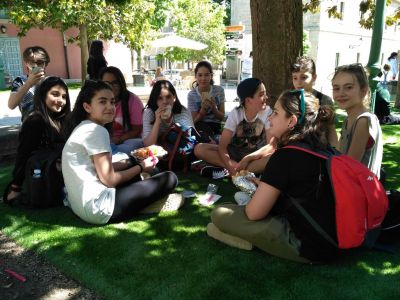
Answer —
(333, 42)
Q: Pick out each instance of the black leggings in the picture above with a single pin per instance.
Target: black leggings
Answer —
(136, 194)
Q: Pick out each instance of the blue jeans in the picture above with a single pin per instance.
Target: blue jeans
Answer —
(127, 146)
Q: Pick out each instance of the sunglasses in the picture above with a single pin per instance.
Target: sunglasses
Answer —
(113, 83)
(351, 67)
(302, 104)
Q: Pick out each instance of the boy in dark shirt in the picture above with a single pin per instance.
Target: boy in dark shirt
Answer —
(303, 77)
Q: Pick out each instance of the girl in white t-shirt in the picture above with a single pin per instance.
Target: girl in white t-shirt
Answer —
(100, 191)
(244, 140)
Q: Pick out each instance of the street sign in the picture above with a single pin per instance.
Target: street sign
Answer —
(231, 28)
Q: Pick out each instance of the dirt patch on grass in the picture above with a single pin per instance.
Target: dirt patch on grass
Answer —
(24, 275)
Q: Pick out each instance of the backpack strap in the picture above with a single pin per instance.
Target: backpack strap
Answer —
(312, 222)
(307, 150)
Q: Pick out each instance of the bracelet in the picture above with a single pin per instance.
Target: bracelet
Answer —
(141, 168)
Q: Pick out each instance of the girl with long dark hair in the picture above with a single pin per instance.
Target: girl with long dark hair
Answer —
(42, 128)
(128, 121)
(162, 109)
(99, 191)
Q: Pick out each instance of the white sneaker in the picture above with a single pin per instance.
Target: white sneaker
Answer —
(220, 174)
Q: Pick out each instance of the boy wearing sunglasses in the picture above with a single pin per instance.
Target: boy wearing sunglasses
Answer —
(23, 87)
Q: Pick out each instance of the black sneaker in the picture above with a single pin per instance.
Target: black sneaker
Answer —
(214, 172)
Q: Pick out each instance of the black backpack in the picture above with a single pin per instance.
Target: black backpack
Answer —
(44, 183)
(390, 232)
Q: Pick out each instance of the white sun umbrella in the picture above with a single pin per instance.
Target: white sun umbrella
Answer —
(177, 41)
(174, 40)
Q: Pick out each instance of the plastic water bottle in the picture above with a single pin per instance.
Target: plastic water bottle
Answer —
(37, 173)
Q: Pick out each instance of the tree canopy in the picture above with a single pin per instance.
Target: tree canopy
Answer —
(118, 20)
(133, 22)
(202, 21)
(367, 10)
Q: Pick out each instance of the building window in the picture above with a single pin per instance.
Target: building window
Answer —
(382, 58)
(358, 57)
(337, 60)
(341, 10)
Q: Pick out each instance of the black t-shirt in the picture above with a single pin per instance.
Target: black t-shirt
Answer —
(297, 174)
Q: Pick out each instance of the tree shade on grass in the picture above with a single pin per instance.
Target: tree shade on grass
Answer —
(169, 256)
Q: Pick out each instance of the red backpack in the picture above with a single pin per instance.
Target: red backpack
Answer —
(360, 200)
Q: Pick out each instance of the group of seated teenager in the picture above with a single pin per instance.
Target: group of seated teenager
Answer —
(108, 119)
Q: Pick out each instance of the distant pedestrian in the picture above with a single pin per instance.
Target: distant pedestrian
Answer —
(96, 60)
(394, 64)
(382, 105)
(23, 87)
(247, 67)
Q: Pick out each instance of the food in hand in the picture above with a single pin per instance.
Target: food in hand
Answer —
(241, 180)
(167, 112)
(145, 152)
(205, 96)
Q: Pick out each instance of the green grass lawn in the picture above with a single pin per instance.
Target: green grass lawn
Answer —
(169, 256)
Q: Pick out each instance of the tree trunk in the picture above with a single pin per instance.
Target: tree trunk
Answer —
(139, 58)
(84, 51)
(277, 28)
(397, 101)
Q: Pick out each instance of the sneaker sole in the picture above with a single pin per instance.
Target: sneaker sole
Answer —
(170, 203)
(228, 239)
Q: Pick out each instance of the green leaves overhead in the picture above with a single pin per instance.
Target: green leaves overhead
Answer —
(367, 9)
(133, 22)
(127, 21)
(200, 20)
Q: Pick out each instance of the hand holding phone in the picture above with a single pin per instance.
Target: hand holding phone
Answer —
(36, 70)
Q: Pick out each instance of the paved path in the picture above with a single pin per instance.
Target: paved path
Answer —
(10, 117)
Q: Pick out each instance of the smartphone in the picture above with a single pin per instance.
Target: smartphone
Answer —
(36, 70)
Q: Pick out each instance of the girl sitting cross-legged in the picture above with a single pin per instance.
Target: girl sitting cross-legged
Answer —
(267, 221)
(244, 140)
(100, 191)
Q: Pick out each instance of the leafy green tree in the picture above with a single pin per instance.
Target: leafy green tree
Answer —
(227, 4)
(200, 20)
(126, 21)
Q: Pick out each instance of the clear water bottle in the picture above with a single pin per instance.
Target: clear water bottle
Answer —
(37, 173)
